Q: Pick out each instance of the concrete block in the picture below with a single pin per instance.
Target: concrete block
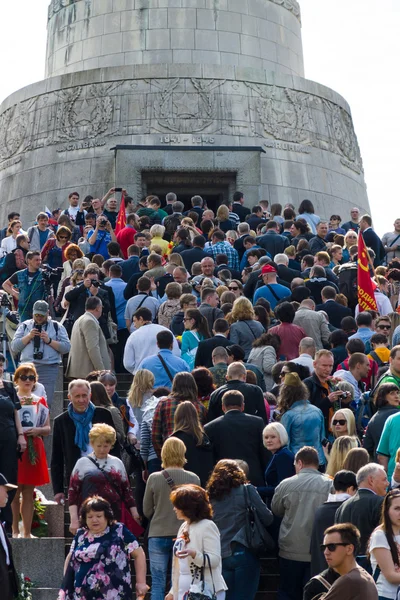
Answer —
(249, 25)
(158, 18)
(133, 40)
(133, 58)
(44, 593)
(250, 45)
(228, 21)
(182, 39)
(101, 7)
(156, 57)
(206, 57)
(113, 60)
(182, 56)
(132, 20)
(91, 47)
(120, 5)
(227, 58)
(54, 516)
(41, 559)
(194, 3)
(74, 171)
(96, 26)
(205, 19)
(238, 6)
(268, 51)
(157, 39)
(206, 40)
(112, 23)
(182, 18)
(228, 42)
(111, 43)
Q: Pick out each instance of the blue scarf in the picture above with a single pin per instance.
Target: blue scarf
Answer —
(82, 423)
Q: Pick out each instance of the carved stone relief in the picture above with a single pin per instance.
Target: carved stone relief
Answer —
(183, 111)
(291, 5)
(57, 5)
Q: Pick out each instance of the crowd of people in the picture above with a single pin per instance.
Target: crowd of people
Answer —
(263, 410)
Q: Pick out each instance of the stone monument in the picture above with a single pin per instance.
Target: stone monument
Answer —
(191, 96)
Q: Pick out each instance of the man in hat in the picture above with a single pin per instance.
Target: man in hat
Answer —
(271, 290)
(42, 341)
(8, 575)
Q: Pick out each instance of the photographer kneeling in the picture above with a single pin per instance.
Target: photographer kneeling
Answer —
(42, 341)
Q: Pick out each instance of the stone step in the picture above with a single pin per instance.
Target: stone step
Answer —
(44, 593)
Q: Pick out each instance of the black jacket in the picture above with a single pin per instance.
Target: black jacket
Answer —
(254, 221)
(335, 311)
(273, 242)
(373, 241)
(375, 428)
(77, 298)
(239, 435)
(191, 256)
(241, 211)
(9, 584)
(65, 453)
(319, 396)
(129, 267)
(287, 274)
(324, 518)
(364, 511)
(316, 288)
(317, 244)
(205, 349)
(238, 245)
(234, 273)
(177, 326)
(253, 400)
(199, 458)
(131, 289)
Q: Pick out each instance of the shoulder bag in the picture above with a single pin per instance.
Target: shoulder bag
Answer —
(253, 534)
(198, 591)
(166, 369)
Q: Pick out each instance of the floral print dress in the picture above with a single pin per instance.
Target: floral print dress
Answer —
(99, 565)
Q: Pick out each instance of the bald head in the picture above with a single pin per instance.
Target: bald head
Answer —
(236, 371)
(296, 282)
(308, 303)
(219, 355)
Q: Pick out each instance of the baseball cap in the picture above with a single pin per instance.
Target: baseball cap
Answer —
(236, 351)
(9, 486)
(267, 269)
(40, 308)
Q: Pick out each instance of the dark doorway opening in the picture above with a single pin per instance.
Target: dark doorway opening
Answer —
(213, 187)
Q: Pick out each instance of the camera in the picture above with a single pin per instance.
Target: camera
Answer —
(37, 353)
(51, 275)
(344, 395)
(103, 222)
(96, 284)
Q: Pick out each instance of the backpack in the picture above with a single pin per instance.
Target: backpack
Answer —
(378, 360)
(364, 411)
(348, 284)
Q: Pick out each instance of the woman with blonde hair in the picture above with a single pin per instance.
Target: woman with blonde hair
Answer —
(245, 328)
(140, 392)
(157, 238)
(344, 423)
(339, 451)
(176, 259)
(350, 239)
(225, 224)
(157, 506)
(187, 427)
(100, 472)
(189, 225)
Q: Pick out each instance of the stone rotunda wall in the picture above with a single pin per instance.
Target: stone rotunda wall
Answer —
(271, 133)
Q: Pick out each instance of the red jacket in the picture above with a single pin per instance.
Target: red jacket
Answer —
(125, 239)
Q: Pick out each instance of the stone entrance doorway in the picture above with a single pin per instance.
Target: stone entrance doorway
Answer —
(213, 187)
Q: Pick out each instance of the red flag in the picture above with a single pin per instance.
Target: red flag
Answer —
(121, 219)
(366, 298)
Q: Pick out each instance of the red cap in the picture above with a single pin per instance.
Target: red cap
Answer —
(268, 269)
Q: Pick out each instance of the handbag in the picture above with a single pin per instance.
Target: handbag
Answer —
(198, 591)
(253, 534)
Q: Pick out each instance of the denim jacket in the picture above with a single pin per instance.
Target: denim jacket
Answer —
(305, 426)
(28, 294)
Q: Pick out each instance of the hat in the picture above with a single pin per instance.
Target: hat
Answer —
(9, 486)
(40, 308)
(267, 269)
(236, 351)
(292, 379)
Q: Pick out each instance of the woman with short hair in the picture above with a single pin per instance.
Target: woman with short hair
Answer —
(197, 549)
(281, 466)
(100, 472)
(158, 509)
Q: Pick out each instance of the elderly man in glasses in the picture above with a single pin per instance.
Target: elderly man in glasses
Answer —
(42, 341)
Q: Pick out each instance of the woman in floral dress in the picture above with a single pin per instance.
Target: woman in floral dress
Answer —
(97, 566)
(32, 468)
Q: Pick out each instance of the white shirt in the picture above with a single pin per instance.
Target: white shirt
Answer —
(382, 302)
(142, 343)
(306, 360)
(378, 540)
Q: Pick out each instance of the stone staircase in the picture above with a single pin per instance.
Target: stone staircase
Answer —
(42, 559)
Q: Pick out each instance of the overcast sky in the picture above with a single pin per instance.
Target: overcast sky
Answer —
(352, 46)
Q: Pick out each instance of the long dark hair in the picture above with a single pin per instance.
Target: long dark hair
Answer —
(184, 387)
(99, 394)
(387, 524)
(200, 322)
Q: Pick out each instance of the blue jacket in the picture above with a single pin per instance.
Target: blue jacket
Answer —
(118, 285)
(280, 467)
(305, 426)
(154, 364)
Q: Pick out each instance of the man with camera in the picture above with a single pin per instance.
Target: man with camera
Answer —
(42, 341)
(91, 286)
(102, 235)
(28, 285)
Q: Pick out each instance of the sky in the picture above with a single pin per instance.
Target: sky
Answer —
(349, 45)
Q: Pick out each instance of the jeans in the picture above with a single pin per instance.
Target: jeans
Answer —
(293, 577)
(160, 552)
(241, 572)
(154, 465)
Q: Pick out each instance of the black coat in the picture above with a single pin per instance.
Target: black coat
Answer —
(239, 435)
(316, 288)
(253, 400)
(375, 428)
(234, 273)
(254, 221)
(65, 453)
(287, 274)
(335, 311)
(205, 349)
(199, 458)
(131, 289)
(238, 245)
(273, 242)
(373, 241)
(191, 256)
(364, 511)
(9, 584)
(241, 211)
(77, 297)
(324, 518)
